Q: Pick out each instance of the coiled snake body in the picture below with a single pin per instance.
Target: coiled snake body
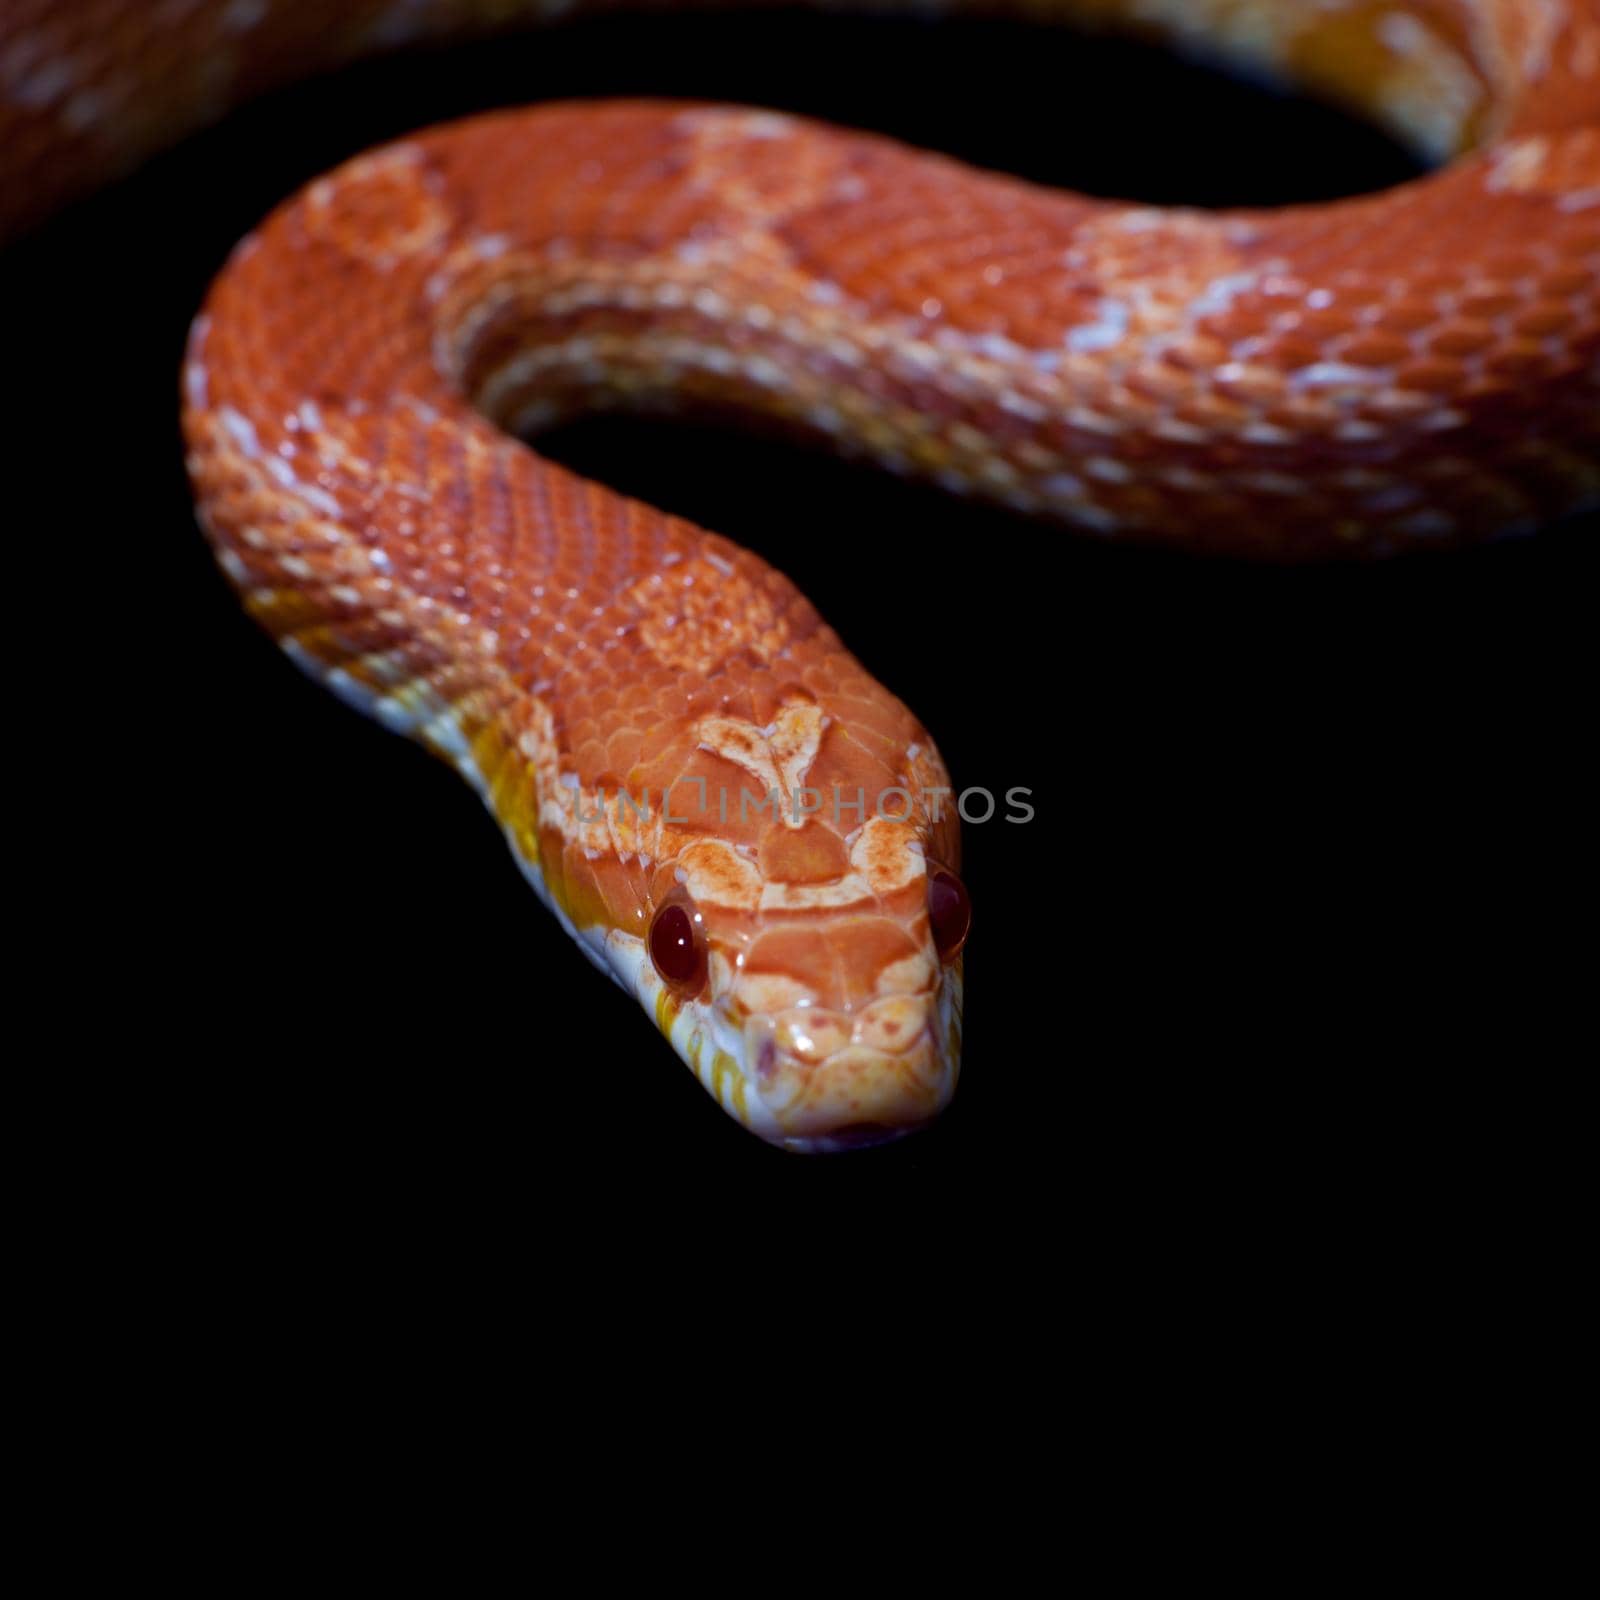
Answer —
(727, 812)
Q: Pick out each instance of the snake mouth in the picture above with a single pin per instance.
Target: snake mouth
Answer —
(854, 1136)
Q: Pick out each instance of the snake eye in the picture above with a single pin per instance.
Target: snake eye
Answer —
(949, 912)
(678, 947)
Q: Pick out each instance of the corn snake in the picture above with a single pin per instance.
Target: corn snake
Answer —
(1191, 450)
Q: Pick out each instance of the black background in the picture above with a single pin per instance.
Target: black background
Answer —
(1279, 911)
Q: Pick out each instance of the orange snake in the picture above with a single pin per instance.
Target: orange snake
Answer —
(731, 816)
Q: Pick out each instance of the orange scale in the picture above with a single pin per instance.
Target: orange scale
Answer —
(1581, 242)
(865, 712)
(622, 750)
(1546, 321)
(1291, 352)
(813, 853)
(862, 946)
(1201, 353)
(588, 752)
(785, 950)
(1158, 382)
(1490, 304)
(1322, 325)
(601, 701)
(582, 895)
(1523, 361)
(1574, 282)
(1408, 317)
(1437, 376)
(850, 758)
(639, 696)
(1254, 388)
(659, 772)
(1372, 349)
(620, 889)
(1461, 339)
(1225, 408)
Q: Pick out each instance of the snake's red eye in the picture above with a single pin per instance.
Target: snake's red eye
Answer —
(677, 947)
(949, 912)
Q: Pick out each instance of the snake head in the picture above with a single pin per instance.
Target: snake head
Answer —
(779, 895)
(812, 980)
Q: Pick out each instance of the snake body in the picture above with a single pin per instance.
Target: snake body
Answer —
(659, 720)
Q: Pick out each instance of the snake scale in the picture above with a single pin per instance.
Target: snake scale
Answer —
(724, 809)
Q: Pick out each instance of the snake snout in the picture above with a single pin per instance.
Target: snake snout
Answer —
(837, 1080)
